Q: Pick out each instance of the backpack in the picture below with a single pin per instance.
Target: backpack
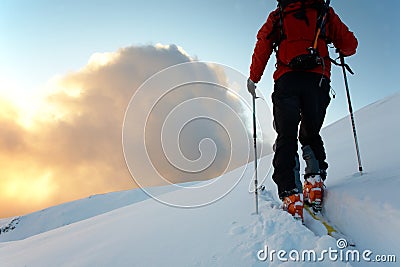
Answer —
(301, 41)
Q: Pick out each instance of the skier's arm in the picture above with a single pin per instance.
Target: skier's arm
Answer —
(263, 49)
(340, 35)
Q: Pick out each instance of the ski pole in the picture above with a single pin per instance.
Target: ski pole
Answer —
(344, 67)
(255, 151)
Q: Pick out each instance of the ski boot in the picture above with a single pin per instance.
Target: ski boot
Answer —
(294, 205)
(313, 191)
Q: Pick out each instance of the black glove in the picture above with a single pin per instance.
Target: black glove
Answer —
(251, 87)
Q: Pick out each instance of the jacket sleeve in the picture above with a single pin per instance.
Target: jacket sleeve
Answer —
(340, 35)
(263, 48)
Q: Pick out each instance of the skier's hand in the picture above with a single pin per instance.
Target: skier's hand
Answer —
(251, 87)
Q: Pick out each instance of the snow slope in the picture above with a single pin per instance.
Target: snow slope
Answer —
(143, 232)
(151, 234)
(367, 206)
(71, 212)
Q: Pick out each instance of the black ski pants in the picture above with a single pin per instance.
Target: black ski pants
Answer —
(298, 98)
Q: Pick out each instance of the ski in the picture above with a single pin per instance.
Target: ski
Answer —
(331, 229)
(313, 222)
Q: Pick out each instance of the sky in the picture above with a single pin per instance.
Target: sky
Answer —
(51, 48)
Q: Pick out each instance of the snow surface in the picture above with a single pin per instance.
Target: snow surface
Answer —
(130, 229)
(71, 212)
(366, 207)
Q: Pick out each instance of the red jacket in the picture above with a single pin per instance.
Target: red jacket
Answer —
(336, 31)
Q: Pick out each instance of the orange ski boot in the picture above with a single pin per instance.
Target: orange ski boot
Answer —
(313, 191)
(294, 205)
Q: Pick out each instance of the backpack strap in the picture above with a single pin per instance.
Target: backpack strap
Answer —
(281, 32)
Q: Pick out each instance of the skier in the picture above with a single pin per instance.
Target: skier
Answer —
(300, 31)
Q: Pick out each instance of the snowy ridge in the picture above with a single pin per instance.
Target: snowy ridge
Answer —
(228, 233)
(54, 217)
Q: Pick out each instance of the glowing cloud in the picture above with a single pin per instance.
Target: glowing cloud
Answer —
(68, 145)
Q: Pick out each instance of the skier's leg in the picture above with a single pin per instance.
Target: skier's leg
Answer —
(315, 101)
(286, 112)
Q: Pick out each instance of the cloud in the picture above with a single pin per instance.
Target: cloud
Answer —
(71, 146)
